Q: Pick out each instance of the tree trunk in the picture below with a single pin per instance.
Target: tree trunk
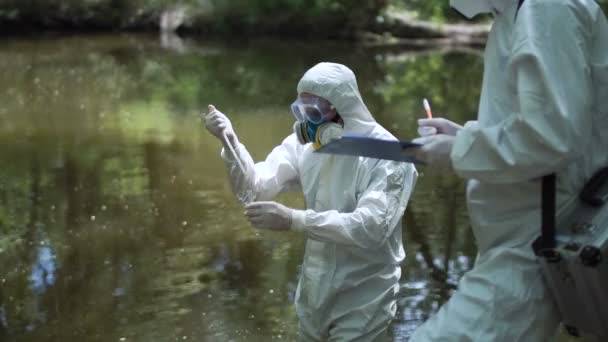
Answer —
(404, 29)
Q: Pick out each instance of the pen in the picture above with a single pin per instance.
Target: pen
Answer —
(424, 131)
(427, 108)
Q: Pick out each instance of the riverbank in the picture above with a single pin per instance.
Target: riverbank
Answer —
(369, 22)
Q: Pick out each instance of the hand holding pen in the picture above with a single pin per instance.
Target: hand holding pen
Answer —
(436, 141)
(432, 126)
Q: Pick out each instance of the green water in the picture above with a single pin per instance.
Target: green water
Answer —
(116, 219)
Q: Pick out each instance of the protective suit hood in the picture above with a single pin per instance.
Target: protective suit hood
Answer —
(471, 8)
(338, 84)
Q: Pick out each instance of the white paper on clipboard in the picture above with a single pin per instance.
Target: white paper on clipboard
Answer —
(357, 145)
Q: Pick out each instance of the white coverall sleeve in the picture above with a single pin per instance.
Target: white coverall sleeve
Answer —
(379, 207)
(264, 180)
(550, 71)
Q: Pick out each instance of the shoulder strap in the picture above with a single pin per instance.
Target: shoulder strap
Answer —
(548, 211)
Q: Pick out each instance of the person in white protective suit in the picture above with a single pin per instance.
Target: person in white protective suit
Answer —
(543, 110)
(349, 281)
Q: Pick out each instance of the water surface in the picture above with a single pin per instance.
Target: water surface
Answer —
(116, 219)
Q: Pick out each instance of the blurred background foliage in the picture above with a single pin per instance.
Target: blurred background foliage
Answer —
(328, 18)
(235, 16)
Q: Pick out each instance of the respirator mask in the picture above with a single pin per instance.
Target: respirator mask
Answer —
(317, 122)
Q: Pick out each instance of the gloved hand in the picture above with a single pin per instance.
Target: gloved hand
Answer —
(269, 215)
(435, 151)
(218, 124)
(428, 127)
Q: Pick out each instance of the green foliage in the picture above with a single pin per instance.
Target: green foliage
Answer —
(436, 10)
(86, 13)
(301, 16)
(451, 82)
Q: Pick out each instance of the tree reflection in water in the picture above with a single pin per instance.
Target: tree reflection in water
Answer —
(116, 220)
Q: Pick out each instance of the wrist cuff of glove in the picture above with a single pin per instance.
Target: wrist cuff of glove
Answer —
(462, 144)
(297, 220)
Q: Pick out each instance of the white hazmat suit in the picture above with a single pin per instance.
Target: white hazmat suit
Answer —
(349, 281)
(543, 109)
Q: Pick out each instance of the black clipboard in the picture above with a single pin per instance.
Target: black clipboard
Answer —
(358, 145)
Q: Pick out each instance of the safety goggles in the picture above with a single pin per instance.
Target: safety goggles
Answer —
(314, 110)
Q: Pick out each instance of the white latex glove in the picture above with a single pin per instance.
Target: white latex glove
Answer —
(428, 127)
(435, 151)
(218, 124)
(269, 215)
